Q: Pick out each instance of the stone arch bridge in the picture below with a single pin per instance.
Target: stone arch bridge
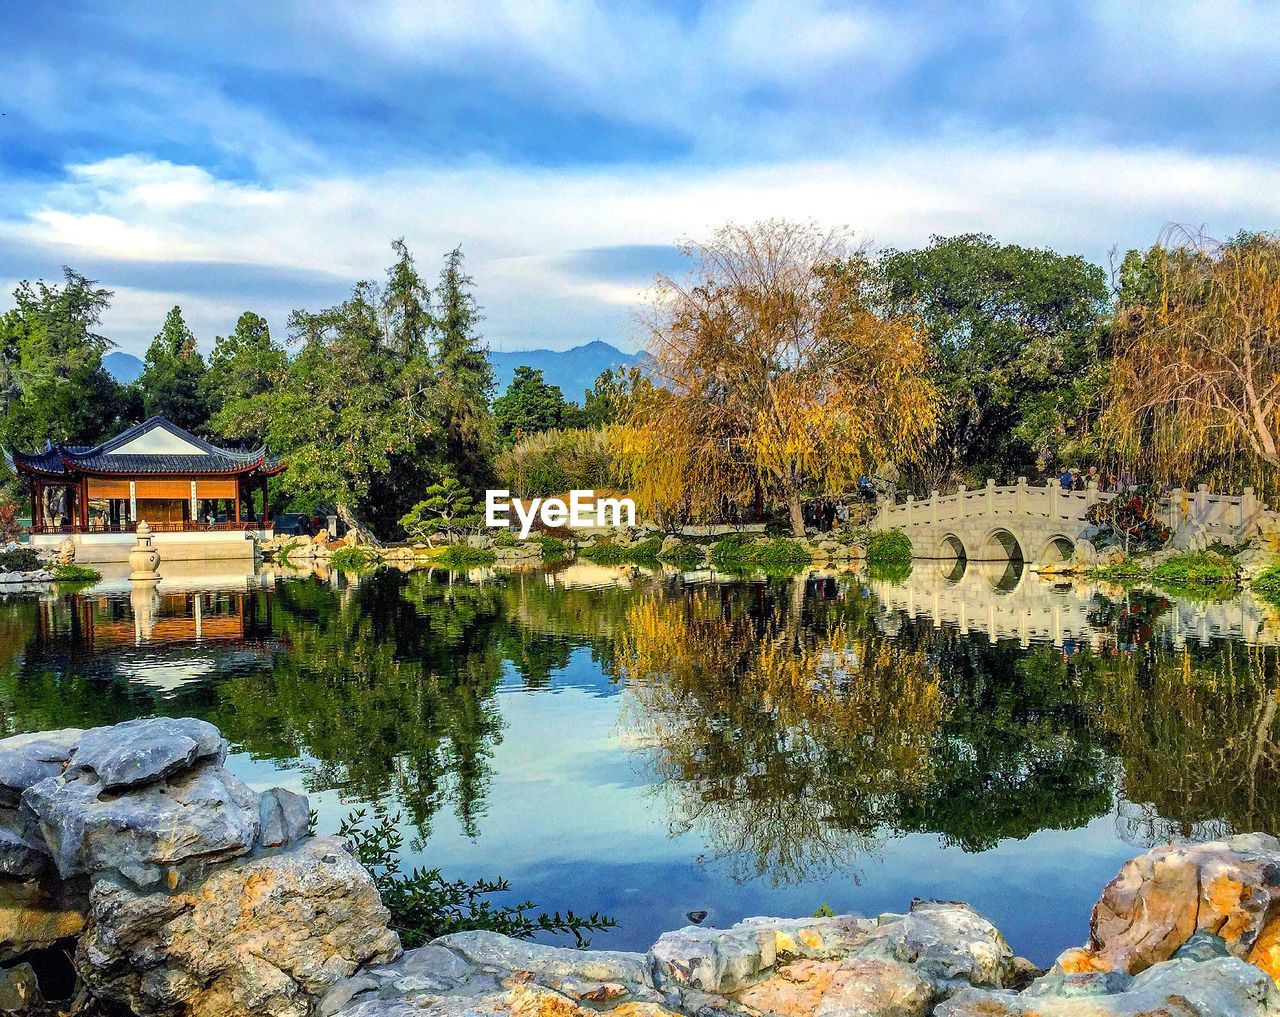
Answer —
(1041, 525)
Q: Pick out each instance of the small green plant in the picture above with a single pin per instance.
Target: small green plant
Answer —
(22, 559)
(1194, 569)
(824, 911)
(888, 547)
(462, 556)
(553, 548)
(737, 553)
(890, 571)
(282, 555)
(424, 905)
(352, 559)
(1267, 583)
(73, 573)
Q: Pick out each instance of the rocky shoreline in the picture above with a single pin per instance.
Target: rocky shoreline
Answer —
(177, 890)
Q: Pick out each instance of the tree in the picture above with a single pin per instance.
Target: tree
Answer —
(447, 510)
(356, 401)
(600, 402)
(245, 369)
(464, 376)
(173, 379)
(1196, 381)
(529, 406)
(53, 386)
(1017, 348)
(778, 375)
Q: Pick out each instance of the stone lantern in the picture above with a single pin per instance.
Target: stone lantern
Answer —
(144, 558)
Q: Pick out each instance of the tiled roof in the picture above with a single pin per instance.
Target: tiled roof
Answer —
(65, 459)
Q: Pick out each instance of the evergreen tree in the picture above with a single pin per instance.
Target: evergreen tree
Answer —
(406, 304)
(464, 377)
(529, 406)
(173, 380)
(244, 370)
(53, 386)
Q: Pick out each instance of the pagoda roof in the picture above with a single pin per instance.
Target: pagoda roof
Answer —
(156, 446)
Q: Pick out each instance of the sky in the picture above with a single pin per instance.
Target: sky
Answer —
(230, 157)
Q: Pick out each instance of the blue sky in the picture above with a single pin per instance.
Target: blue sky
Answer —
(262, 156)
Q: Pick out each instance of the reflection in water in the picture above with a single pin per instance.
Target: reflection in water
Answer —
(786, 731)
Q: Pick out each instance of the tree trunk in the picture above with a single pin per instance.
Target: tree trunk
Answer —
(796, 507)
(347, 514)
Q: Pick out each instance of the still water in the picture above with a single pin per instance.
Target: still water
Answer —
(646, 744)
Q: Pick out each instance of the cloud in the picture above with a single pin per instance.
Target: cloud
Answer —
(562, 257)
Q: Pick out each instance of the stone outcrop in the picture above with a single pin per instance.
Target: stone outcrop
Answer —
(189, 892)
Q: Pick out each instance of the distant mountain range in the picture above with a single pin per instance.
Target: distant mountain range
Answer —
(124, 367)
(573, 370)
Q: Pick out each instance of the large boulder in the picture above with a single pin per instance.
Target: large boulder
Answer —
(140, 752)
(39, 913)
(1160, 899)
(30, 758)
(147, 835)
(268, 935)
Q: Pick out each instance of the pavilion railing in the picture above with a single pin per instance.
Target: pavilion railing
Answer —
(185, 526)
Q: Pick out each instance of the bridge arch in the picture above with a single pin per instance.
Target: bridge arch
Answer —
(951, 547)
(1000, 544)
(1057, 549)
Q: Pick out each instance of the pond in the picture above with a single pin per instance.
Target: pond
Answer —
(650, 744)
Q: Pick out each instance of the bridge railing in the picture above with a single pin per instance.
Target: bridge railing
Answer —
(1224, 515)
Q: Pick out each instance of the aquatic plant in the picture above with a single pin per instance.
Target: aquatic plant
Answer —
(72, 573)
(352, 559)
(888, 547)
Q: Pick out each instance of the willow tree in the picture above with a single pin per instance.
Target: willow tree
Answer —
(777, 375)
(1196, 380)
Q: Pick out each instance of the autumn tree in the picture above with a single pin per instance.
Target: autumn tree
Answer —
(1196, 380)
(776, 375)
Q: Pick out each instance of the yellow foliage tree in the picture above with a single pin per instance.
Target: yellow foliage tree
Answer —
(1196, 378)
(777, 375)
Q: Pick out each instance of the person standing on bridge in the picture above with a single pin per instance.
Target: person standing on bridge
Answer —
(1065, 479)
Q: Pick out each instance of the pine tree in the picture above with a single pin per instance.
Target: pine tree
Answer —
(464, 376)
(173, 380)
(245, 369)
(529, 406)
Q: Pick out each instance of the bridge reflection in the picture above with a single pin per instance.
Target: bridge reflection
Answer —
(1006, 600)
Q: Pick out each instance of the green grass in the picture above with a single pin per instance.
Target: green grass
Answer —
(75, 573)
(888, 547)
(352, 559)
(1195, 570)
(1199, 575)
(644, 553)
(462, 556)
(1267, 584)
(685, 555)
(736, 553)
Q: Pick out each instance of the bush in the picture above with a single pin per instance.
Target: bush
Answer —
(75, 573)
(424, 905)
(1194, 569)
(553, 548)
(352, 559)
(684, 555)
(1132, 522)
(1267, 583)
(644, 553)
(736, 553)
(23, 559)
(890, 571)
(463, 556)
(553, 462)
(888, 547)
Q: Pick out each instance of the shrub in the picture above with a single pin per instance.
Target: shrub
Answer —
(1267, 583)
(644, 553)
(553, 548)
(462, 556)
(22, 559)
(352, 559)
(1132, 522)
(424, 905)
(736, 553)
(75, 573)
(888, 547)
(553, 462)
(448, 510)
(890, 571)
(684, 555)
(1193, 569)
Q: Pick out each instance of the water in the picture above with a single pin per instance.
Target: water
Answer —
(643, 745)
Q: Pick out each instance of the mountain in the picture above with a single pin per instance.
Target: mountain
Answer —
(124, 367)
(573, 370)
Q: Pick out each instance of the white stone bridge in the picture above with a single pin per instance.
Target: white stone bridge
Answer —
(1040, 525)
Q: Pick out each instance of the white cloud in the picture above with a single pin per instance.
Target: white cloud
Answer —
(517, 225)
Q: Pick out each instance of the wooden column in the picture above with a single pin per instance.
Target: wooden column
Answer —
(82, 498)
(37, 506)
(238, 494)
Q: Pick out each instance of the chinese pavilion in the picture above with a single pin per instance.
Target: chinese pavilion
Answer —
(201, 500)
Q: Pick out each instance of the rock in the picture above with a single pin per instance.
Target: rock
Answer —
(714, 960)
(1223, 987)
(140, 752)
(19, 990)
(947, 943)
(203, 815)
(67, 552)
(493, 952)
(283, 817)
(858, 987)
(38, 913)
(23, 854)
(262, 936)
(1158, 900)
(27, 759)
